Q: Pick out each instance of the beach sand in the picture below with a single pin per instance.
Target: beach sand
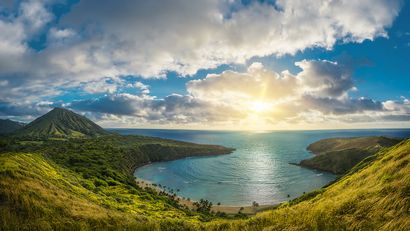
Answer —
(248, 210)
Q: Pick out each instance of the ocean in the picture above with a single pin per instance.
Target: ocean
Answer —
(258, 170)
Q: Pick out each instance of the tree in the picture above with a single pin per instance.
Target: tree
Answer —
(203, 206)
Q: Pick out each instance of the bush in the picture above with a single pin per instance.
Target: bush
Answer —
(112, 182)
(88, 185)
(99, 182)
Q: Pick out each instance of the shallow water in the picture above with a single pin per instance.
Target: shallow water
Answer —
(257, 171)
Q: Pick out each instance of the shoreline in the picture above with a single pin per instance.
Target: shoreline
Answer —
(149, 162)
(228, 209)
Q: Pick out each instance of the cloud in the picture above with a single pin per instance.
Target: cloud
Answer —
(172, 109)
(325, 78)
(97, 43)
(61, 37)
(186, 36)
(99, 39)
(24, 109)
(341, 107)
(113, 85)
(257, 82)
(257, 96)
(33, 15)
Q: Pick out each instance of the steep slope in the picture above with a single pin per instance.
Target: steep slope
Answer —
(63, 123)
(338, 155)
(8, 126)
(37, 194)
(375, 195)
(87, 184)
(84, 185)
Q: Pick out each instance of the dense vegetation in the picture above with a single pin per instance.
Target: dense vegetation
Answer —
(83, 184)
(63, 123)
(88, 182)
(374, 195)
(52, 178)
(338, 155)
(8, 126)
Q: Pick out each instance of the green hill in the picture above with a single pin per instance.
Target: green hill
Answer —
(374, 195)
(86, 184)
(338, 155)
(80, 183)
(61, 123)
(8, 126)
(372, 144)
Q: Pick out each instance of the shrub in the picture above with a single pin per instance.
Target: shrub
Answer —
(99, 182)
(88, 185)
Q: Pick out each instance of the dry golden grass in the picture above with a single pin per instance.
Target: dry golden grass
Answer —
(37, 194)
(376, 197)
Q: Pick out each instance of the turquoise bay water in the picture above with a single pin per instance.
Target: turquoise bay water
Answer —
(257, 171)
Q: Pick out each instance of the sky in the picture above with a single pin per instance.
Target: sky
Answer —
(208, 64)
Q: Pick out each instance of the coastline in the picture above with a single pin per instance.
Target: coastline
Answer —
(229, 210)
(227, 151)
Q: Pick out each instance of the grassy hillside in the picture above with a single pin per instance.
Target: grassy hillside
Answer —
(37, 194)
(63, 172)
(88, 183)
(338, 155)
(63, 123)
(372, 144)
(8, 126)
(375, 195)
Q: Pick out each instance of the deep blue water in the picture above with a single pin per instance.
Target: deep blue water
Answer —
(257, 171)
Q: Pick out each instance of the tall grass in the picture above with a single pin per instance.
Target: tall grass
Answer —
(37, 193)
(375, 197)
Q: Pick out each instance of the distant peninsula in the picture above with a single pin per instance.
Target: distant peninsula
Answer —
(339, 155)
(69, 174)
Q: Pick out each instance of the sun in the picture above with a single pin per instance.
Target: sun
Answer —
(259, 106)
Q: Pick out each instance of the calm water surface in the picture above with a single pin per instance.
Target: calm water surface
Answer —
(257, 171)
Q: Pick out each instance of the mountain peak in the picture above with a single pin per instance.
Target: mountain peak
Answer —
(59, 109)
(61, 122)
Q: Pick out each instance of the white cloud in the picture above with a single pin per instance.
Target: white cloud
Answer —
(186, 36)
(104, 40)
(3, 83)
(257, 83)
(325, 78)
(59, 36)
(113, 85)
(99, 39)
(33, 15)
(257, 97)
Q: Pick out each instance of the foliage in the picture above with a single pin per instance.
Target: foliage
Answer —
(374, 196)
(88, 183)
(61, 123)
(203, 206)
(338, 155)
(8, 126)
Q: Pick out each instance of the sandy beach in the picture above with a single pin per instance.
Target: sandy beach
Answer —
(248, 210)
